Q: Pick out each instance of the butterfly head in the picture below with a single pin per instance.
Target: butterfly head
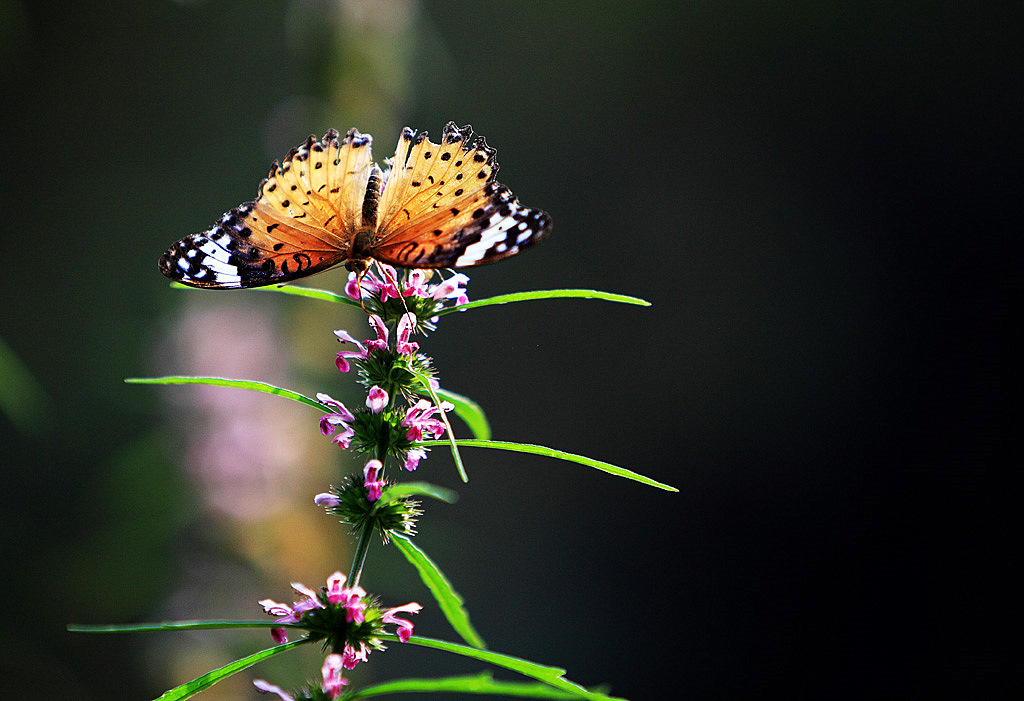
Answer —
(361, 250)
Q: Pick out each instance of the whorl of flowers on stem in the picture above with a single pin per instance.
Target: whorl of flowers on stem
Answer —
(350, 501)
(396, 415)
(389, 294)
(348, 623)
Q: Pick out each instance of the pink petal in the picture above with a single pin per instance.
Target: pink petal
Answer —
(268, 688)
(405, 627)
(341, 363)
(377, 399)
(350, 657)
(326, 500)
(336, 587)
(339, 408)
(413, 457)
(274, 608)
(331, 671)
(310, 595)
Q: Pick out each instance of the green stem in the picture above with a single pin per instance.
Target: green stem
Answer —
(359, 559)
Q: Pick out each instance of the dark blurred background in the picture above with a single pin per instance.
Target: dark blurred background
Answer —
(815, 196)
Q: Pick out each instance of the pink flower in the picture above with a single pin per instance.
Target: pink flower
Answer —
(413, 457)
(382, 334)
(417, 420)
(351, 598)
(286, 614)
(268, 688)
(326, 500)
(275, 609)
(310, 602)
(404, 631)
(452, 288)
(380, 281)
(406, 325)
(329, 423)
(332, 683)
(336, 587)
(362, 350)
(293, 613)
(331, 671)
(415, 284)
(381, 284)
(374, 486)
(386, 286)
(377, 399)
(343, 357)
(351, 657)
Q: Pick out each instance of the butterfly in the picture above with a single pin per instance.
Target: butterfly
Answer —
(328, 203)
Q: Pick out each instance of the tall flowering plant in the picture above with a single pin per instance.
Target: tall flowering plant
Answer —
(404, 416)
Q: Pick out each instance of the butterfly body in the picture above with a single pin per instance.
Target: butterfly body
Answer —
(327, 203)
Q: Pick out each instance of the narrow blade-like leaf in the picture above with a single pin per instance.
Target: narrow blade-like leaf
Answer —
(190, 689)
(553, 676)
(254, 385)
(418, 489)
(482, 683)
(547, 294)
(169, 625)
(449, 434)
(295, 291)
(469, 411)
(561, 455)
(440, 586)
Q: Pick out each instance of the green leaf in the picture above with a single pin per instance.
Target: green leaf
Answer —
(562, 455)
(448, 599)
(469, 411)
(421, 489)
(190, 689)
(547, 294)
(552, 676)
(170, 625)
(482, 683)
(295, 291)
(253, 385)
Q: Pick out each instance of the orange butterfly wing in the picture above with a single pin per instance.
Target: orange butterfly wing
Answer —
(441, 206)
(438, 206)
(302, 222)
